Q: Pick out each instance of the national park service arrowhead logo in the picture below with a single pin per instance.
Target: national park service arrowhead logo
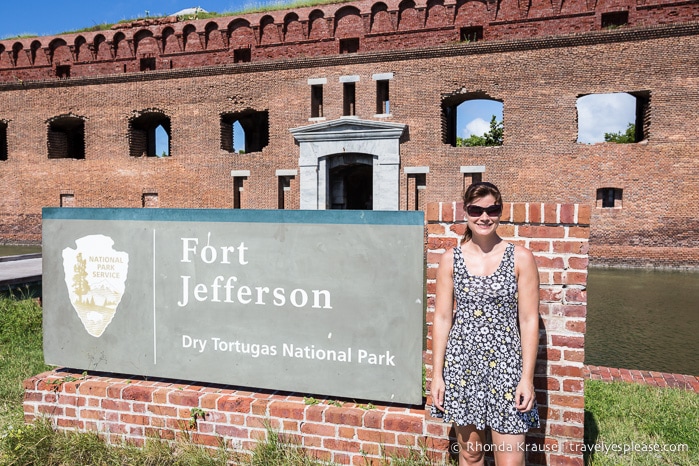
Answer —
(95, 275)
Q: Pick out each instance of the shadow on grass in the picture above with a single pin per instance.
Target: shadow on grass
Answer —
(591, 435)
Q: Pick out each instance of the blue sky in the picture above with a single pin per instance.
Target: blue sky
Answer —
(44, 17)
(597, 115)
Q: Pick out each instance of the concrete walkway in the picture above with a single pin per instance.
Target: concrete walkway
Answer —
(20, 270)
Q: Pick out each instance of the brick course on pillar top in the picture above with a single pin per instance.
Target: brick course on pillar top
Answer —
(134, 410)
(558, 235)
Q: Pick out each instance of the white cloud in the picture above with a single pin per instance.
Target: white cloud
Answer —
(604, 113)
(478, 127)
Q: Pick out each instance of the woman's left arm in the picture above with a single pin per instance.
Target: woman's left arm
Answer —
(528, 306)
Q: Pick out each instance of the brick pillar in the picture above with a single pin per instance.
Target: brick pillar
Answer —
(558, 235)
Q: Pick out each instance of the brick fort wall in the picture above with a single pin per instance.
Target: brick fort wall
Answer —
(93, 88)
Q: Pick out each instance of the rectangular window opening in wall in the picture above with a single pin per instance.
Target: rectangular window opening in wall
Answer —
(383, 104)
(66, 138)
(609, 198)
(147, 64)
(63, 71)
(471, 34)
(350, 45)
(317, 101)
(472, 174)
(243, 55)
(237, 192)
(615, 19)
(67, 200)
(150, 135)
(239, 177)
(149, 200)
(416, 185)
(625, 117)
(284, 178)
(348, 99)
(283, 185)
(244, 132)
(3, 140)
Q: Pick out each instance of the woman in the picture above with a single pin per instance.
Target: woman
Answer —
(485, 352)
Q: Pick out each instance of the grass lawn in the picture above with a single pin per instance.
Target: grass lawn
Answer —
(618, 416)
(630, 416)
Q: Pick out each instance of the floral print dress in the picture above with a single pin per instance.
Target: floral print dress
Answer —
(483, 358)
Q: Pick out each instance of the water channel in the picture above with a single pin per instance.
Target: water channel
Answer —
(636, 319)
(6, 250)
(643, 319)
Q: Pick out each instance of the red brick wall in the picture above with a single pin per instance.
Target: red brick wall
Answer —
(558, 235)
(348, 432)
(537, 61)
(312, 31)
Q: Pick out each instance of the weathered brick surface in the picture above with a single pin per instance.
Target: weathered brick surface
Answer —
(311, 31)
(559, 368)
(536, 59)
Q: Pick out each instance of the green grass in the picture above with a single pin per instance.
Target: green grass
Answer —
(625, 415)
(616, 414)
(21, 354)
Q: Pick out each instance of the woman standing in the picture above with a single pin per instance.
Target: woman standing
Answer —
(485, 352)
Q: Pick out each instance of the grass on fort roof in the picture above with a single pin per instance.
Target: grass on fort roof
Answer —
(251, 7)
(615, 414)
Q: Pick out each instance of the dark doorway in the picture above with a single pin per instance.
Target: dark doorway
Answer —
(351, 187)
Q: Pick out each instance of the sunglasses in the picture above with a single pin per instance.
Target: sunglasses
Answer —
(476, 211)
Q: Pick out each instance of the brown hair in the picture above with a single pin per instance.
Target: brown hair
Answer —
(477, 191)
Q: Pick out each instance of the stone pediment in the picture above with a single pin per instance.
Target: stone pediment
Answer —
(345, 129)
(321, 143)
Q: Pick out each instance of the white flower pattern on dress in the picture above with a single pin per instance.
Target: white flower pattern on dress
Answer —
(483, 359)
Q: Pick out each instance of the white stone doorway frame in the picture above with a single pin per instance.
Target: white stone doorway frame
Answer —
(320, 141)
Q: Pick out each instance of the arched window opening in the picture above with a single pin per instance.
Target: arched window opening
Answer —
(16, 51)
(470, 120)
(244, 132)
(66, 138)
(149, 135)
(238, 138)
(35, 47)
(614, 117)
(162, 142)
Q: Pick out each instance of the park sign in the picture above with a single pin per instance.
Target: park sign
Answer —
(316, 302)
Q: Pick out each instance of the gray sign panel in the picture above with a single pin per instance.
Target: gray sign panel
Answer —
(320, 302)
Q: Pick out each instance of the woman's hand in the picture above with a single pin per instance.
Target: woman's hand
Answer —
(437, 390)
(524, 396)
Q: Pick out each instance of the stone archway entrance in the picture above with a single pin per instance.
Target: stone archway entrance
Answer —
(339, 158)
(350, 182)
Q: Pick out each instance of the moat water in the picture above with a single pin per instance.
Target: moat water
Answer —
(636, 319)
(643, 319)
(18, 250)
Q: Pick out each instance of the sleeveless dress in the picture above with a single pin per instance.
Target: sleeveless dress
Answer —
(483, 358)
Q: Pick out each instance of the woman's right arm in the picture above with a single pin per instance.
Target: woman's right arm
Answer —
(441, 325)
